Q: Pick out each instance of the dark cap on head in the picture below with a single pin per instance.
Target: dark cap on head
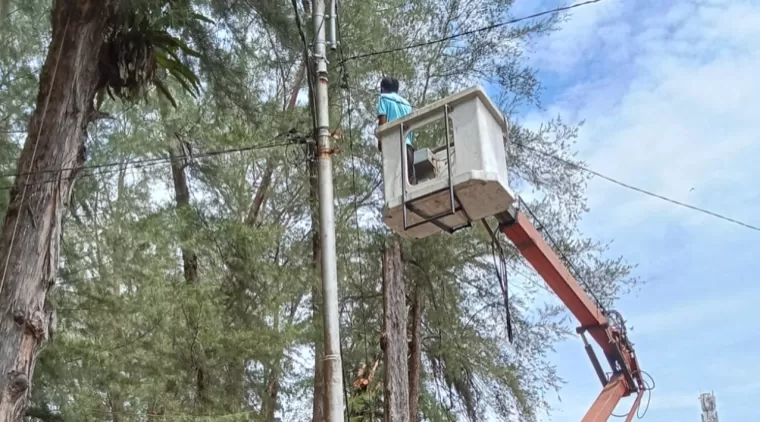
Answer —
(389, 84)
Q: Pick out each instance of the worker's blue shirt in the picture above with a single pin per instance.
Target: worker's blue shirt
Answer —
(394, 106)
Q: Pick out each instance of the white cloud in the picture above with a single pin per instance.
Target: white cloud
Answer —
(584, 30)
(685, 116)
(670, 95)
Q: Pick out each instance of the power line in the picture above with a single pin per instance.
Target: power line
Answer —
(78, 176)
(147, 162)
(470, 32)
(640, 190)
(309, 68)
(623, 184)
(164, 159)
(313, 106)
(631, 187)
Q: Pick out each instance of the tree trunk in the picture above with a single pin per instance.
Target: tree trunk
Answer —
(179, 162)
(190, 268)
(117, 406)
(394, 333)
(259, 200)
(269, 406)
(261, 195)
(182, 198)
(52, 153)
(155, 411)
(415, 354)
(269, 400)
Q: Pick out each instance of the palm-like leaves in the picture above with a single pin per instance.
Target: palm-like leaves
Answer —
(139, 49)
(167, 47)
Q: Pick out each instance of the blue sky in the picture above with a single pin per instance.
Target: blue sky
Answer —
(670, 91)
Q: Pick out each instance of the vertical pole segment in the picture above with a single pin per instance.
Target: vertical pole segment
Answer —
(333, 24)
(332, 361)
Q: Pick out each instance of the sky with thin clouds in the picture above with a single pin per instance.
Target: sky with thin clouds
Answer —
(670, 93)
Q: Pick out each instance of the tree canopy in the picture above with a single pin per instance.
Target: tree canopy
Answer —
(188, 287)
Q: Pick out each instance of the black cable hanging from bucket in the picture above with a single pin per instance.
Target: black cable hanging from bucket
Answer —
(501, 275)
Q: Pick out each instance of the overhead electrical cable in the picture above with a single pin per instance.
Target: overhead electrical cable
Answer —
(638, 189)
(147, 162)
(470, 32)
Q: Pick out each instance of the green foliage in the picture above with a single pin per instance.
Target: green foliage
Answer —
(21, 44)
(139, 44)
(134, 334)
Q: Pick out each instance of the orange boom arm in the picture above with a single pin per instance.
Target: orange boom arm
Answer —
(626, 376)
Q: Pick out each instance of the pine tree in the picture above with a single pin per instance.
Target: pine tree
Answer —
(189, 283)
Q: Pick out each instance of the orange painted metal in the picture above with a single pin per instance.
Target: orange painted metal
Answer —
(608, 399)
(635, 407)
(605, 404)
(627, 377)
(543, 259)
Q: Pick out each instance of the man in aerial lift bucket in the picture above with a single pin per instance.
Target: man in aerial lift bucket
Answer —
(392, 106)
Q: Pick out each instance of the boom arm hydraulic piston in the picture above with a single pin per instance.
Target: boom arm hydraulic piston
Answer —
(626, 378)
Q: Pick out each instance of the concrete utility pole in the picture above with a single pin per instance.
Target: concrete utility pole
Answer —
(332, 362)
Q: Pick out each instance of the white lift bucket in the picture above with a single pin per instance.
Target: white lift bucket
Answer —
(459, 182)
